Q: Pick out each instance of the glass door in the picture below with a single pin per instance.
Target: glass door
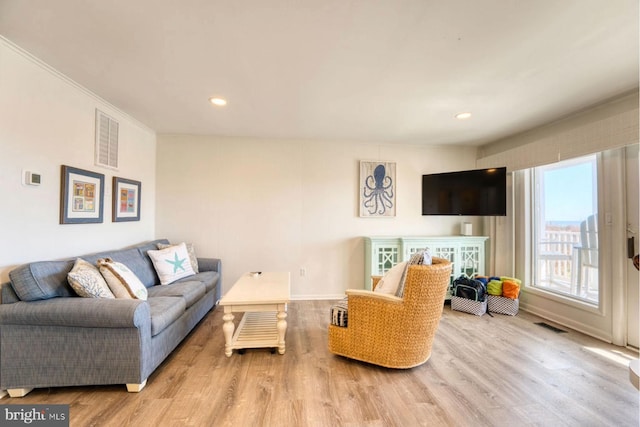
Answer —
(566, 228)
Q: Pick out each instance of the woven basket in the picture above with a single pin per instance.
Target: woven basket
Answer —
(503, 305)
(468, 305)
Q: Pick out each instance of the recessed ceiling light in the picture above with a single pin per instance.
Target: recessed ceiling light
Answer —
(463, 116)
(218, 101)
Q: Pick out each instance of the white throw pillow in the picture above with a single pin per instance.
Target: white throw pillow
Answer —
(391, 280)
(87, 281)
(117, 274)
(192, 254)
(171, 263)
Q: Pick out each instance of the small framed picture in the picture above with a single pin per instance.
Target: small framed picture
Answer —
(126, 200)
(81, 196)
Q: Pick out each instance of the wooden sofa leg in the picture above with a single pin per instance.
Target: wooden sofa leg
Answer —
(18, 392)
(136, 388)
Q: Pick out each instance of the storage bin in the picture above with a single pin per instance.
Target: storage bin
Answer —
(468, 305)
(503, 305)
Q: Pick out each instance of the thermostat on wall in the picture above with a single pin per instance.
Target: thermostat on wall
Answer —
(31, 178)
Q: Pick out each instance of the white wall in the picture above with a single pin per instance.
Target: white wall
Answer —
(286, 205)
(47, 121)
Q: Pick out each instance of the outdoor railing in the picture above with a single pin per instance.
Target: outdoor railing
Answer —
(556, 250)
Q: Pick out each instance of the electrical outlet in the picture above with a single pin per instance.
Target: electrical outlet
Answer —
(303, 271)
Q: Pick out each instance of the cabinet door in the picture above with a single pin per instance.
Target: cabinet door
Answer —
(412, 248)
(385, 257)
(471, 260)
(448, 252)
(445, 251)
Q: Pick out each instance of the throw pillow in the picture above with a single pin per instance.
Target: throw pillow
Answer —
(419, 258)
(422, 257)
(87, 281)
(117, 275)
(116, 285)
(193, 259)
(339, 313)
(171, 263)
(391, 280)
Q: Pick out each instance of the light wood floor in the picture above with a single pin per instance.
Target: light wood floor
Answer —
(484, 371)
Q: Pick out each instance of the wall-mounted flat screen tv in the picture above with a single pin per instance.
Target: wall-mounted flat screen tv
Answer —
(480, 192)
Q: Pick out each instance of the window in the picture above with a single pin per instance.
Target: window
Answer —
(565, 228)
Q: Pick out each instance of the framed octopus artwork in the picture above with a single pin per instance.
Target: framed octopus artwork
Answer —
(377, 189)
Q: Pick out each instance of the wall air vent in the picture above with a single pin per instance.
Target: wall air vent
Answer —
(106, 141)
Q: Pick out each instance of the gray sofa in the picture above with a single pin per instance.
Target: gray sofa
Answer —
(50, 337)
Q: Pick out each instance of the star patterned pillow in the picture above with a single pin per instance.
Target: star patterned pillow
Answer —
(192, 254)
(171, 263)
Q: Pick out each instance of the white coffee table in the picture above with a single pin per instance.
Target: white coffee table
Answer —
(263, 298)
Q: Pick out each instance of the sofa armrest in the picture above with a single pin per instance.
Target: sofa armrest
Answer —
(79, 312)
(210, 264)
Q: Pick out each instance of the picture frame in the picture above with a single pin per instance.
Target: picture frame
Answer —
(81, 196)
(377, 189)
(125, 200)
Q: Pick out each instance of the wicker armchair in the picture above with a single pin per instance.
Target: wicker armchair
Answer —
(395, 332)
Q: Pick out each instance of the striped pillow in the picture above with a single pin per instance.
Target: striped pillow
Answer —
(117, 274)
(419, 258)
(339, 315)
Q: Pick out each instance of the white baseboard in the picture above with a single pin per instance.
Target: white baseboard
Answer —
(567, 322)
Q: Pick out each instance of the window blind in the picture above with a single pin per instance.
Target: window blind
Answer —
(607, 126)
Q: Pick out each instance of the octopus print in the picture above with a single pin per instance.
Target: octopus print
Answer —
(378, 192)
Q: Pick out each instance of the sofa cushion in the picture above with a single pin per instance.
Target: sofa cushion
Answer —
(191, 291)
(8, 295)
(171, 263)
(150, 277)
(208, 278)
(87, 281)
(137, 262)
(42, 280)
(193, 258)
(164, 311)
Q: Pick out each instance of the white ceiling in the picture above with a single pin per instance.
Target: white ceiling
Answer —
(358, 70)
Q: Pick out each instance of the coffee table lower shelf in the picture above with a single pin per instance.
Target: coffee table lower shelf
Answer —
(257, 330)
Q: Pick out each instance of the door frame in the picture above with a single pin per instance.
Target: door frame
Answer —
(632, 279)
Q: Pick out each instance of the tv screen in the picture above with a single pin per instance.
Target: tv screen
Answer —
(474, 192)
